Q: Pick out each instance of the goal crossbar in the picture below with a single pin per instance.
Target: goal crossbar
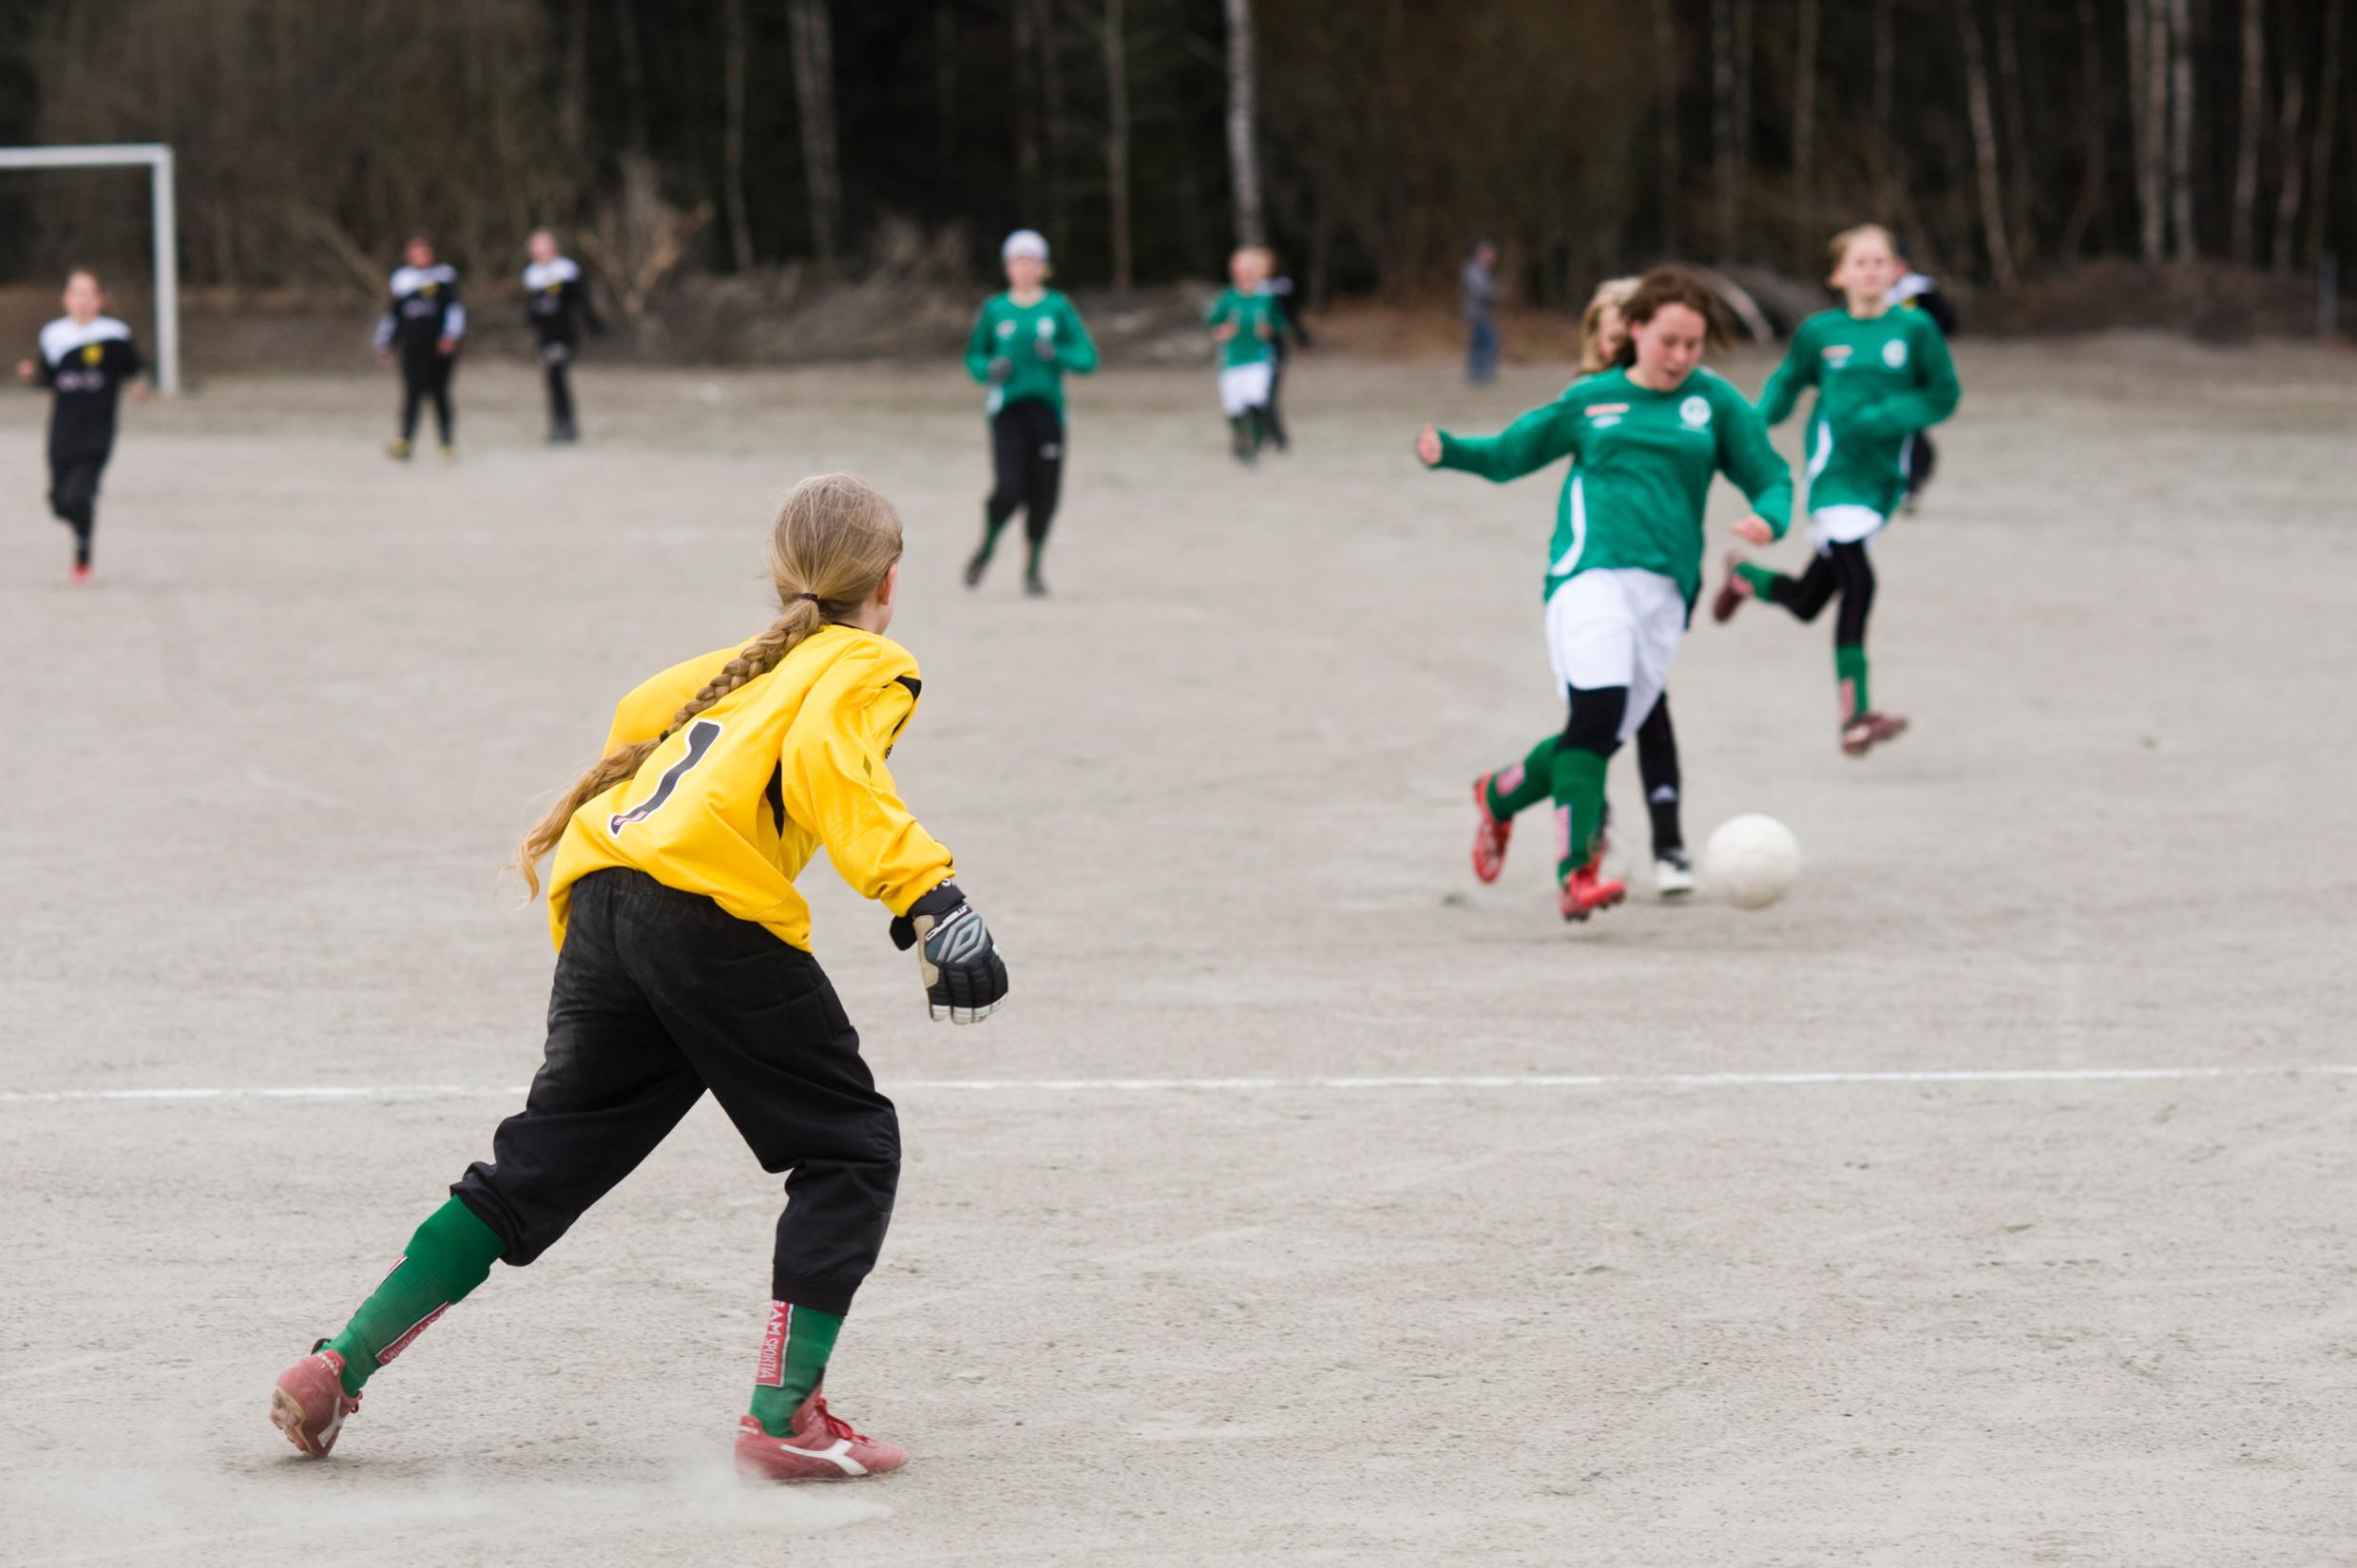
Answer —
(158, 159)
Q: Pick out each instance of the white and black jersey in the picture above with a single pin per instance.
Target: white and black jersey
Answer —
(86, 365)
(556, 302)
(423, 310)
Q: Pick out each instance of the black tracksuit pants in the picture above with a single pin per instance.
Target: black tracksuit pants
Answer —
(659, 996)
(73, 494)
(426, 375)
(1026, 463)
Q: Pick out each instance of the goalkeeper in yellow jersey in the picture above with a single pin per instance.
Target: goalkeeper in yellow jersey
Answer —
(684, 964)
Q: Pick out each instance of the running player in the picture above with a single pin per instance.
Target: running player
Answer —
(1880, 376)
(421, 328)
(1292, 336)
(86, 361)
(1626, 561)
(684, 964)
(1244, 322)
(1920, 291)
(1023, 342)
(556, 302)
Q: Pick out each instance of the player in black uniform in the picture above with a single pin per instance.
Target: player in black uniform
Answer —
(556, 302)
(421, 327)
(86, 359)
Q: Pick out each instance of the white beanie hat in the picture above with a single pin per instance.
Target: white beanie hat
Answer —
(1028, 242)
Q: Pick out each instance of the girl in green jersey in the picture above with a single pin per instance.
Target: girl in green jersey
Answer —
(1024, 342)
(1245, 323)
(1882, 376)
(1646, 439)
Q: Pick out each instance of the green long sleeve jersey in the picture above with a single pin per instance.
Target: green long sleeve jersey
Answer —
(1879, 379)
(1258, 318)
(1641, 468)
(1016, 333)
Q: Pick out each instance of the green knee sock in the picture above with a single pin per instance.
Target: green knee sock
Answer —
(1520, 786)
(991, 531)
(795, 1351)
(1850, 669)
(1579, 788)
(1762, 580)
(450, 1255)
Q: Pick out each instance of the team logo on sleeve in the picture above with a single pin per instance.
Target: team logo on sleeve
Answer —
(701, 735)
(1894, 353)
(1696, 412)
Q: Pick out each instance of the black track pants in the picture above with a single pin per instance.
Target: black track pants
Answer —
(427, 377)
(1027, 462)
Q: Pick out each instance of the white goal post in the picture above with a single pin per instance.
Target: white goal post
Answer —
(158, 158)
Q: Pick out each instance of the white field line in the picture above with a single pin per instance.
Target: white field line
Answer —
(1605, 1082)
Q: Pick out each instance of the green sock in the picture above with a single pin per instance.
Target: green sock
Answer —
(450, 1255)
(1520, 786)
(1762, 580)
(1850, 669)
(991, 529)
(1578, 779)
(1031, 560)
(795, 1351)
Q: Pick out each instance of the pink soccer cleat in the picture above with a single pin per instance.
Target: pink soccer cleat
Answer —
(1489, 833)
(1586, 892)
(822, 1447)
(309, 1403)
(1862, 733)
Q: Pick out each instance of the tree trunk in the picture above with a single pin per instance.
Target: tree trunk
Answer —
(1744, 13)
(1725, 177)
(573, 112)
(2016, 148)
(2153, 78)
(2253, 112)
(2320, 139)
(811, 32)
(1025, 15)
(2181, 128)
(1243, 154)
(1059, 132)
(2092, 162)
(1117, 139)
(1805, 113)
(1985, 148)
(946, 85)
(2291, 167)
(633, 70)
(733, 134)
(1668, 62)
(1885, 129)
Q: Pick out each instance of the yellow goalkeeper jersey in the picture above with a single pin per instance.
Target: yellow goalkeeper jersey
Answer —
(734, 804)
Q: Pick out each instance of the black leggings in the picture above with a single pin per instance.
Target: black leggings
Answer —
(1843, 571)
(1270, 417)
(426, 375)
(659, 996)
(1027, 462)
(1922, 458)
(1657, 769)
(73, 497)
(558, 359)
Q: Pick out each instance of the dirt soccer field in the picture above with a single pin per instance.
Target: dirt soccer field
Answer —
(1986, 1202)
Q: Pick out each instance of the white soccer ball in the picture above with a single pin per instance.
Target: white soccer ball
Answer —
(1750, 861)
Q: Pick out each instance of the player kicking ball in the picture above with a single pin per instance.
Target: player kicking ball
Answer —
(684, 964)
(87, 359)
(1645, 438)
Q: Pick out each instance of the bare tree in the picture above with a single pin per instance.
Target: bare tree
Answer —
(2018, 150)
(1117, 139)
(811, 32)
(1805, 110)
(1243, 153)
(1985, 147)
(2181, 128)
(2290, 166)
(2320, 139)
(1726, 177)
(633, 70)
(573, 113)
(1669, 66)
(2093, 160)
(1885, 127)
(946, 81)
(733, 134)
(1024, 17)
(2253, 112)
(2148, 33)
(1052, 101)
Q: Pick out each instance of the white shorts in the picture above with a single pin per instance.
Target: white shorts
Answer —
(1244, 388)
(1830, 526)
(1617, 626)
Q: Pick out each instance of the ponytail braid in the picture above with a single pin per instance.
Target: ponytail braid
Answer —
(834, 541)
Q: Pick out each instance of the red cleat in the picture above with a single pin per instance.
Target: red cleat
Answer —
(80, 573)
(1731, 594)
(309, 1403)
(1584, 892)
(821, 1447)
(1489, 833)
(1862, 733)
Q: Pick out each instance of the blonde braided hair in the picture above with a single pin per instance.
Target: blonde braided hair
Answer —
(1611, 293)
(835, 539)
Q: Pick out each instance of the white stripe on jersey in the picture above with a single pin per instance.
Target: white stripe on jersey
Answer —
(541, 274)
(65, 335)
